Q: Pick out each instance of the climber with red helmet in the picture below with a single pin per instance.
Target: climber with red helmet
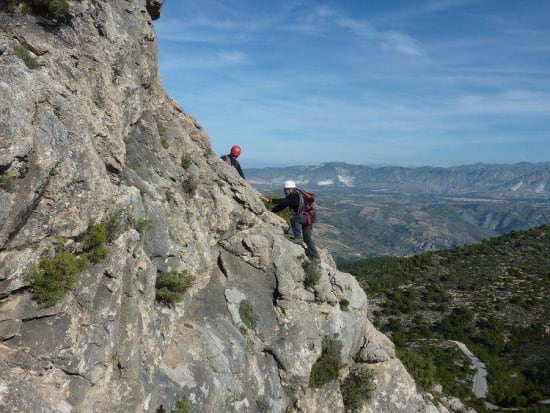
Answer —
(231, 159)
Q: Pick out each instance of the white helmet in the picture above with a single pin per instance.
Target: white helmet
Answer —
(290, 184)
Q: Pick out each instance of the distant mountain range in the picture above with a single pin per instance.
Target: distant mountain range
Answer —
(524, 180)
(393, 210)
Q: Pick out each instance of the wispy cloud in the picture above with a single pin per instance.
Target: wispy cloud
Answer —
(216, 31)
(325, 20)
(507, 103)
(217, 60)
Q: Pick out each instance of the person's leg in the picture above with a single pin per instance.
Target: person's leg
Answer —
(296, 225)
(311, 249)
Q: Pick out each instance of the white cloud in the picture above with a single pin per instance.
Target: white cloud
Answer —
(400, 42)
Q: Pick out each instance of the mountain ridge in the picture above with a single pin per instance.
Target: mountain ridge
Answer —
(522, 179)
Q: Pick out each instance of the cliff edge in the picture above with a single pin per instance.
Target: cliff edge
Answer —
(89, 136)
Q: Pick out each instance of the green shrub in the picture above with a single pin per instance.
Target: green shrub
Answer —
(326, 367)
(420, 367)
(312, 269)
(357, 388)
(116, 224)
(344, 304)
(58, 6)
(144, 225)
(98, 254)
(171, 286)
(186, 160)
(183, 405)
(164, 142)
(27, 58)
(43, 7)
(247, 314)
(120, 221)
(55, 276)
(94, 239)
(262, 406)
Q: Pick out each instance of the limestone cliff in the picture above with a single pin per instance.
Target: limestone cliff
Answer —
(88, 133)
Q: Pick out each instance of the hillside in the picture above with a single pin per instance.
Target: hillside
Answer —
(494, 296)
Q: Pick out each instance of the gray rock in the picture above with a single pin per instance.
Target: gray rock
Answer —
(92, 136)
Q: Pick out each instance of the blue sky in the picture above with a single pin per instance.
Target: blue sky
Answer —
(300, 82)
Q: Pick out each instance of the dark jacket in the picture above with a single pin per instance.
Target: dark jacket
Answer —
(293, 201)
(231, 160)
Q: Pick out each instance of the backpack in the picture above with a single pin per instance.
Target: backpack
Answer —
(227, 159)
(308, 207)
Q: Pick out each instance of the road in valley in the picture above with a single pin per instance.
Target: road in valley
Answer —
(480, 379)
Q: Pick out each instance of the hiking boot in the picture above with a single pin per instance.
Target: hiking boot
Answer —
(311, 256)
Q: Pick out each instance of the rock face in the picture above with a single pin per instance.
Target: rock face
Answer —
(88, 133)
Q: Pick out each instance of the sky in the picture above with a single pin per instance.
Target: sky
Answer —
(370, 82)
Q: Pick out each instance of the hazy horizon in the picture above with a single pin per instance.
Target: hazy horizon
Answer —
(245, 165)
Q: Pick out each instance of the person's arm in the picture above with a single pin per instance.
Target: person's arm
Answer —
(237, 166)
(280, 204)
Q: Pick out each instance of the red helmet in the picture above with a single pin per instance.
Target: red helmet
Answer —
(235, 150)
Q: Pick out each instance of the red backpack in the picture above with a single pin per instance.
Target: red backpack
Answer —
(308, 207)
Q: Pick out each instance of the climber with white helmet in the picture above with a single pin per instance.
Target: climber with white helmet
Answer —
(303, 215)
(231, 159)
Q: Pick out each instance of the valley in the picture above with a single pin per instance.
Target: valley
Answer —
(366, 211)
(368, 224)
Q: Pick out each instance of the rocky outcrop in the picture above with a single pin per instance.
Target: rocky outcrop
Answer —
(87, 134)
